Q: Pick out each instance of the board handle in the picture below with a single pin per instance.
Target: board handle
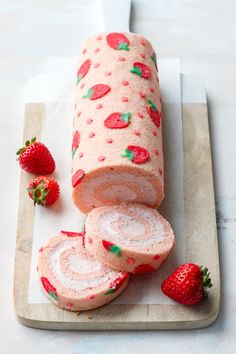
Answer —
(116, 15)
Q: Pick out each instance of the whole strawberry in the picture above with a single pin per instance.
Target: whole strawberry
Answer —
(187, 284)
(43, 190)
(35, 158)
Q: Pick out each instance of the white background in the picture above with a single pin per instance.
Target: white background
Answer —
(203, 34)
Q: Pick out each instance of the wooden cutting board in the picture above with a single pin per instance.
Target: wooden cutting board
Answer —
(201, 243)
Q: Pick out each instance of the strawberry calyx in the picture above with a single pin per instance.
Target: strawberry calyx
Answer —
(123, 46)
(128, 153)
(27, 143)
(154, 59)
(79, 77)
(126, 117)
(206, 281)
(89, 93)
(39, 193)
(111, 247)
(136, 70)
(151, 104)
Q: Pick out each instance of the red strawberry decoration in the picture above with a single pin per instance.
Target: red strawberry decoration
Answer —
(118, 41)
(143, 268)
(35, 158)
(43, 190)
(83, 70)
(75, 142)
(187, 284)
(154, 59)
(49, 288)
(97, 91)
(111, 247)
(77, 178)
(74, 234)
(117, 120)
(154, 113)
(71, 233)
(136, 154)
(116, 284)
(141, 70)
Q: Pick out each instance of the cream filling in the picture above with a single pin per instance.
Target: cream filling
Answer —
(134, 227)
(81, 265)
(118, 187)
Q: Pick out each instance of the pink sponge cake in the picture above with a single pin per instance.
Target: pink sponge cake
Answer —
(117, 130)
(73, 279)
(130, 237)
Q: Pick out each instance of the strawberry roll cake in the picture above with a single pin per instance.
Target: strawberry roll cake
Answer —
(117, 129)
(130, 237)
(73, 279)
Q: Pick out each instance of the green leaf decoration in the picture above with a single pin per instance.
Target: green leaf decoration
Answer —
(110, 291)
(115, 249)
(126, 117)
(51, 293)
(123, 46)
(79, 77)
(151, 104)
(128, 154)
(73, 152)
(89, 94)
(154, 58)
(136, 71)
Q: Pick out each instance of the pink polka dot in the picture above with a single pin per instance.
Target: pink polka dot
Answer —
(125, 83)
(109, 141)
(142, 94)
(81, 154)
(124, 99)
(136, 132)
(140, 115)
(96, 65)
(101, 158)
(156, 257)
(160, 171)
(90, 240)
(156, 152)
(99, 106)
(130, 260)
(90, 297)
(152, 89)
(69, 305)
(91, 135)
(143, 55)
(96, 50)
(142, 42)
(99, 38)
(78, 114)
(154, 133)
(84, 51)
(121, 59)
(82, 85)
(108, 73)
(89, 121)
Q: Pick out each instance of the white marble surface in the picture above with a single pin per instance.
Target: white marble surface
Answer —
(202, 34)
